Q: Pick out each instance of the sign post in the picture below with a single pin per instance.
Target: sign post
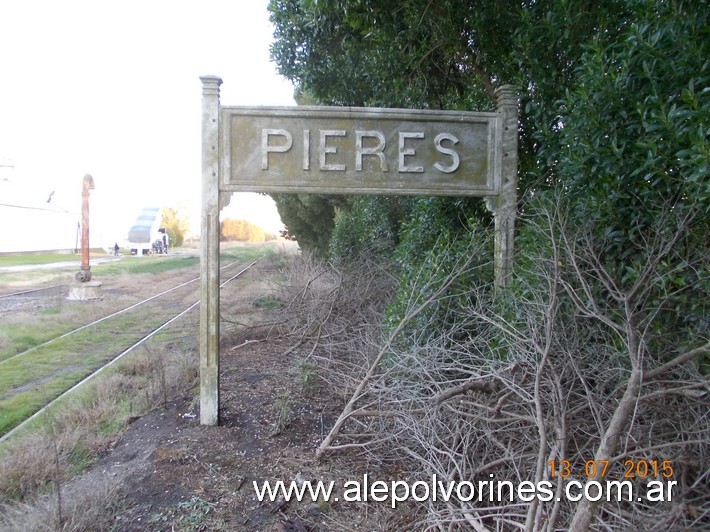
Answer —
(346, 150)
(209, 254)
(505, 203)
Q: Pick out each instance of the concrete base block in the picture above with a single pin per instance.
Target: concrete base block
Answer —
(85, 291)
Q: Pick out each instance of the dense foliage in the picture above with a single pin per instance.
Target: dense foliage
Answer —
(309, 218)
(611, 274)
(634, 155)
(605, 115)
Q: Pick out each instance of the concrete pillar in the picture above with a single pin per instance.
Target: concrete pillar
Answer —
(506, 203)
(209, 253)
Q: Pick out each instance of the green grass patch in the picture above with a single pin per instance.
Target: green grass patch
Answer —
(19, 337)
(54, 368)
(20, 332)
(21, 259)
(146, 264)
(268, 302)
(246, 253)
(18, 407)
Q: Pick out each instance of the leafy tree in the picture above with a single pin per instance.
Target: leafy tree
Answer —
(176, 224)
(309, 218)
(634, 155)
(368, 224)
(613, 103)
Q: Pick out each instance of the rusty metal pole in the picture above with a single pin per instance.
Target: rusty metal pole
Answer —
(84, 275)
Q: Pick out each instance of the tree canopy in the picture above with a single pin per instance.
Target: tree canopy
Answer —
(613, 114)
(604, 114)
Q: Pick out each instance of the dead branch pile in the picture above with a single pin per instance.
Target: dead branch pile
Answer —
(560, 379)
(333, 317)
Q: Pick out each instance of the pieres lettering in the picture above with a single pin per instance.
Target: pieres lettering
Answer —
(331, 156)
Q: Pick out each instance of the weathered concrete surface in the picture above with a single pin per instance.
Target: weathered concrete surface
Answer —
(209, 254)
(88, 291)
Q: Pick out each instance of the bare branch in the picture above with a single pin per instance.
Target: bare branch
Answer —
(680, 359)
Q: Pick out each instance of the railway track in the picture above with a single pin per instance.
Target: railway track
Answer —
(52, 288)
(95, 322)
(37, 378)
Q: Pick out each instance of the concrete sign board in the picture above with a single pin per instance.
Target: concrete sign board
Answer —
(349, 150)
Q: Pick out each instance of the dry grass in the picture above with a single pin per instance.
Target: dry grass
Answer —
(334, 317)
(68, 438)
(84, 507)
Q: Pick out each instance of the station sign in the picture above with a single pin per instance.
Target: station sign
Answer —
(350, 150)
(346, 150)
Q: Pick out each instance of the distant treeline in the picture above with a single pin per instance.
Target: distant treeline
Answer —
(243, 231)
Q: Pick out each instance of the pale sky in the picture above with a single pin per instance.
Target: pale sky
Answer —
(112, 89)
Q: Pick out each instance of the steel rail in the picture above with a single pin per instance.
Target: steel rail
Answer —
(9, 434)
(32, 290)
